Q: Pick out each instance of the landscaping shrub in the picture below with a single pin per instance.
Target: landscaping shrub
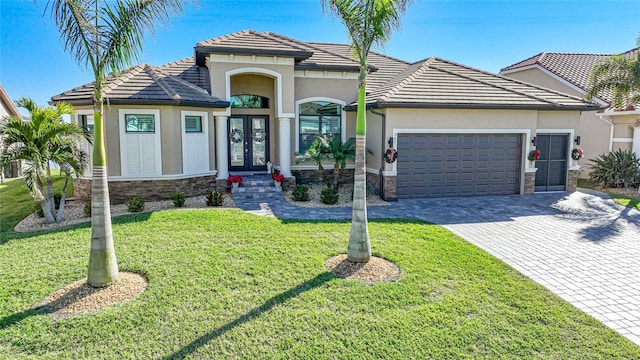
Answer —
(135, 205)
(178, 199)
(329, 196)
(214, 198)
(87, 209)
(617, 169)
(300, 193)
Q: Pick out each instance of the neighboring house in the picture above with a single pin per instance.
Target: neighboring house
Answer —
(599, 131)
(8, 109)
(248, 98)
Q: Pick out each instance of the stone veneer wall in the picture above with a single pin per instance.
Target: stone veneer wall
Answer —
(314, 177)
(529, 183)
(572, 180)
(122, 191)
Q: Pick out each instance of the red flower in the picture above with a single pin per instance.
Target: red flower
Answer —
(278, 177)
(234, 179)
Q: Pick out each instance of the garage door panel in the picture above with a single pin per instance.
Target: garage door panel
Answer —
(450, 165)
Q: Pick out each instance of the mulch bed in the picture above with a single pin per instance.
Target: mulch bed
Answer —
(80, 298)
(375, 270)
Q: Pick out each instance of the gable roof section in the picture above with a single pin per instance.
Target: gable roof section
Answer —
(438, 83)
(8, 104)
(146, 84)
(251, 43)
(307, 56)
(572, 68)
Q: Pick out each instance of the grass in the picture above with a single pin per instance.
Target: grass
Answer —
(16, 203)
(226, 284)
(621, 199)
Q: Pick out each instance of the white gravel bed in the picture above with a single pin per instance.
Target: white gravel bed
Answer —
(344, 199)
(74, 212)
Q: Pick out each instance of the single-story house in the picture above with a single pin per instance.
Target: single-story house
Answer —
(8, 109)
(600, 131)
(248, 98)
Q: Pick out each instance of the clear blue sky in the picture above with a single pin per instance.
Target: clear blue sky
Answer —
(484, 34)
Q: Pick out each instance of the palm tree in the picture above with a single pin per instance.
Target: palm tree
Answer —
(106, 37)
(368, 22)
(618, 74)
(39, 142)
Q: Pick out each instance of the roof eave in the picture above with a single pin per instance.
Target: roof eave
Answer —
(203, 51)
(194, 103)
(321, 67)
(403, 105)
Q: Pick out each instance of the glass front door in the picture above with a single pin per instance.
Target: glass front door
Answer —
(248, 142)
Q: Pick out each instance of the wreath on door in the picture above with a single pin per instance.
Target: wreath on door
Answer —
(577, 154)
(391, 155)
(236, 136)
(259, 135)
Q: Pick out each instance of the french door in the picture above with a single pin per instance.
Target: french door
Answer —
(248, 142)
(552, 163)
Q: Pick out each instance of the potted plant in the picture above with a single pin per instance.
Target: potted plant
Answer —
(234, 180)
(278, 179)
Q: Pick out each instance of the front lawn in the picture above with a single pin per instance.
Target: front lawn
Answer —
(226, 284)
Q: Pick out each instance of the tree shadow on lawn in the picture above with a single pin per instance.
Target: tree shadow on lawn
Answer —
(120, 219)
(254, 313)
(48, 308)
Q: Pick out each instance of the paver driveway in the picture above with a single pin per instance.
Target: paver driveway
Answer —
(581, 245)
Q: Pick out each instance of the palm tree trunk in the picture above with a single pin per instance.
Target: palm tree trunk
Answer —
(359, 249)
(103, 266)
(337, 171)
(44, 202)
(63, 199)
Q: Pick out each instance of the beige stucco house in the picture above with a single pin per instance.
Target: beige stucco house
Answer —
(250, 98)
(8, 109)
(600, 131)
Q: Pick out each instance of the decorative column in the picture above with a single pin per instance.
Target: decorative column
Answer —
(222, 147)
(635, 147)
(284, 138)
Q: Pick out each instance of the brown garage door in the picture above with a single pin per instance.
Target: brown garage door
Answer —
(450, 165)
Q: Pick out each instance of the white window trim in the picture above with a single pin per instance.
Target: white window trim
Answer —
(343, 117)
(205, 132)
(157, 141)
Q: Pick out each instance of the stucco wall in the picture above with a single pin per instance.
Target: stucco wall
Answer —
(593, 131)
(342, 89)
(218, 70)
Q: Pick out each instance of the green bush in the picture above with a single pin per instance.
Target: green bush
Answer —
(300, 193)
(329, 196)
(178, 199)
(214, 198)
(135, 205)
(617, 169)
(87, 209)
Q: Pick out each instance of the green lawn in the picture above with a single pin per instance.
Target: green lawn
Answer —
(226, 284)
(624, 200)
(16, 203)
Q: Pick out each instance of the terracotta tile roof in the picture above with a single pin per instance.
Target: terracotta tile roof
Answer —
(146, 84)
(386, 67)
(573, 68)
(439, 83)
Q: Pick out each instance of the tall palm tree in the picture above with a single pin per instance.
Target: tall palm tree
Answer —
(106, 37)
(619, 74)
(368, 22)
(40, 141)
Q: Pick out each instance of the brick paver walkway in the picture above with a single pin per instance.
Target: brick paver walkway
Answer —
(581, 245)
